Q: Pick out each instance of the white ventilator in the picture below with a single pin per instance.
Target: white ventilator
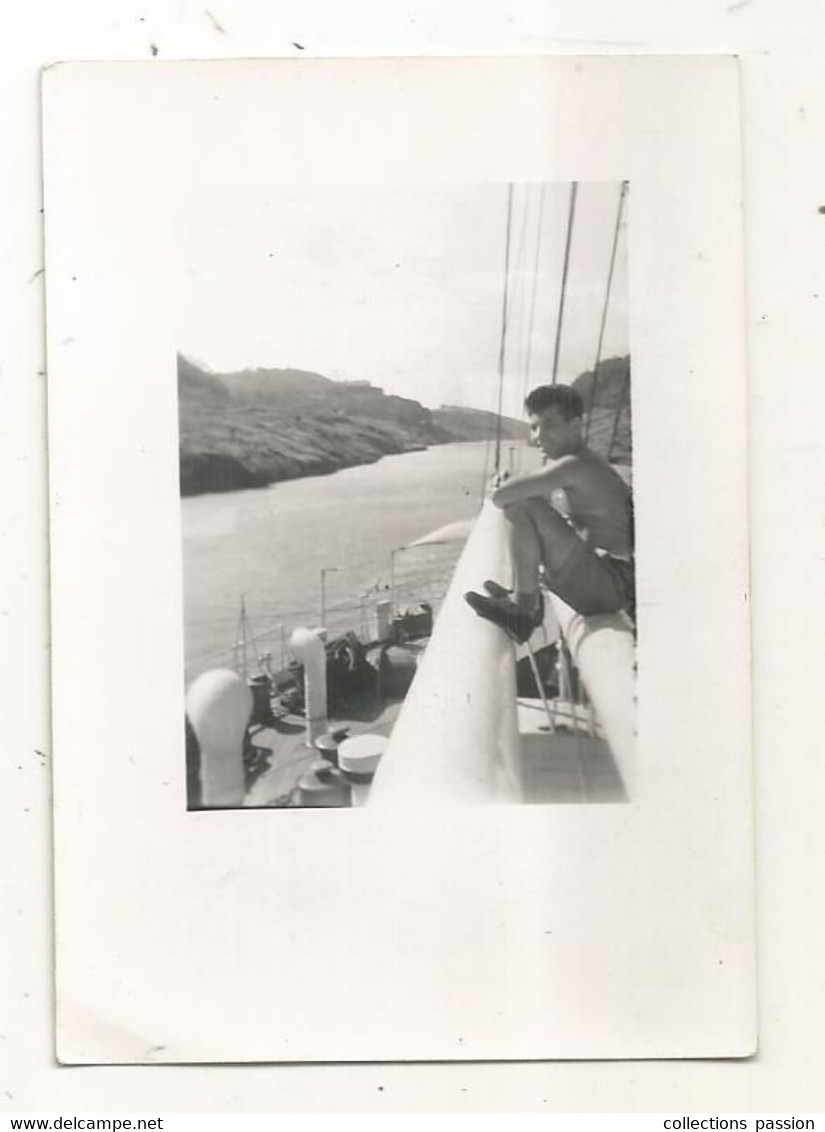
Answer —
(383, 614)
(358, 760)
(219, 705)
(307, 646)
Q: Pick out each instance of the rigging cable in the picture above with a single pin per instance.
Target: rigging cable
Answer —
(533, 296)
(502, 346)
(574, 188)
(516, 303)
(597, 363)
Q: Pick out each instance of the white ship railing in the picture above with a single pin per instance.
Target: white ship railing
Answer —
(456, 738)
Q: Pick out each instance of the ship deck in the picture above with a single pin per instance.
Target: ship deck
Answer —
(569, 765)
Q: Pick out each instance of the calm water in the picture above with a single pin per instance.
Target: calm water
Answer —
(271, 544)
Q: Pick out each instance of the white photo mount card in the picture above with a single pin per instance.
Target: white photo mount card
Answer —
(312, 803)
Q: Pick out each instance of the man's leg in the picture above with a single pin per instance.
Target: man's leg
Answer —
(539, 535)
(586, 582)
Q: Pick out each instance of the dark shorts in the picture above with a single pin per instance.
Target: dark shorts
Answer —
(594, 583)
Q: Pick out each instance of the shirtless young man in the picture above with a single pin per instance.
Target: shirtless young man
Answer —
(572, 521)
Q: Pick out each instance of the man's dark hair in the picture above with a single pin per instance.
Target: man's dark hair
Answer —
(563, 398)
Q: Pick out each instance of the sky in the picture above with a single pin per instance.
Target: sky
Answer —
(402, 287)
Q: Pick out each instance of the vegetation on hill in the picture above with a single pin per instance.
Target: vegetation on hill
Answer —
(257, 427)
(609, 432)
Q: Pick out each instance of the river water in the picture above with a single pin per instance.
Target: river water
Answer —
(271, 544)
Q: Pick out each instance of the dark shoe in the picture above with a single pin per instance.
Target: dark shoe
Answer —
(501, 592)
(506, 615)
(495, 590)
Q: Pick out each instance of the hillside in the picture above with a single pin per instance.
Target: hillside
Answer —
(256, 427)
(610, 431)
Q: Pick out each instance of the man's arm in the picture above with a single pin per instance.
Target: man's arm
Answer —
(534, 485)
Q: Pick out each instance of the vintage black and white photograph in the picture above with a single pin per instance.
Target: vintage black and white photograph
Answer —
(406, 480)
(387, 406)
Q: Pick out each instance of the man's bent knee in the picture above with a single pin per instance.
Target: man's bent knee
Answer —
(541, 514)
(535, 510)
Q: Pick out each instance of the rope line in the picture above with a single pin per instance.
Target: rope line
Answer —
(535, 288)
(517, 305)
(574, 188)
(598, 360)
(502, 346)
